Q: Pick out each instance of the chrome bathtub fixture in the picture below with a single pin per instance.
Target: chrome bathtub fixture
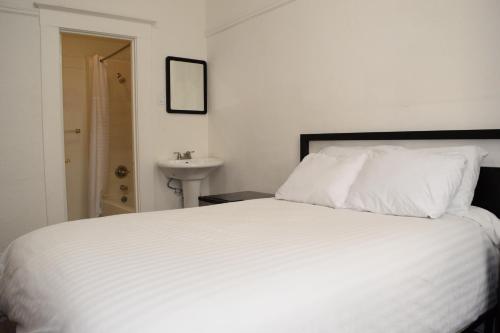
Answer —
(120, 78)
(123, 188)
(121, 171)
(186, 156)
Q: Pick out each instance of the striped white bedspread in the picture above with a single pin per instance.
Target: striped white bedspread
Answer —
(254, 266)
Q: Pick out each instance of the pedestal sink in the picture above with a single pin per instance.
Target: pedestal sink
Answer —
(190, 173)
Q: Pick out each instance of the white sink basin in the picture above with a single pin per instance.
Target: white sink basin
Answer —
(194, 169)
(190, 173)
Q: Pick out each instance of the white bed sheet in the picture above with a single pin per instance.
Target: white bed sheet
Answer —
(254, 266)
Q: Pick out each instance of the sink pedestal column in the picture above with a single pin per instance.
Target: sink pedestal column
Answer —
(191, 192)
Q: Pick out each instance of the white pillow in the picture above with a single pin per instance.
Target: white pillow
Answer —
(474, 156)
(322, 180)
(346, 151)
(408, 183)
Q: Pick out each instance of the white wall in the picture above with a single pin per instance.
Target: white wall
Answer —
(343, 65)
(220, 13)
(22, 192)
(179, 31)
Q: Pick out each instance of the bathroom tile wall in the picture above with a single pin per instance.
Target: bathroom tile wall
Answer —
(121, 129)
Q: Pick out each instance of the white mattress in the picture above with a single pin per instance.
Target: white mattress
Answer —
(254, 266)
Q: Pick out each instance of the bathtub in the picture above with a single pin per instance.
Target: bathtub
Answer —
(115, 207)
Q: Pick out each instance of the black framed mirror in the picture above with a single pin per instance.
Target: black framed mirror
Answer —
(186, 85)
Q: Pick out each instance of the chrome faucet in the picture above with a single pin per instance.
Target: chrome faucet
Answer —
(186, 156)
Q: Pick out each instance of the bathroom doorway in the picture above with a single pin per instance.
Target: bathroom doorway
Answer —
(98, 115)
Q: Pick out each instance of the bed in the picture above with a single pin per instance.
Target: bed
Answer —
(261, 266)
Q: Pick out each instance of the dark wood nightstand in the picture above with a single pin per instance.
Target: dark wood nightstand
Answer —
(232, 197)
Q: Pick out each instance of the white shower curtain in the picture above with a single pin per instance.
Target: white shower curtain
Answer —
(99, 134)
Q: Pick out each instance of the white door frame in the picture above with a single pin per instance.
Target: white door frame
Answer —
(53, 20)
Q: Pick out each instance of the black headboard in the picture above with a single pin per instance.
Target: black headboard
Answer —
(487, 193)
